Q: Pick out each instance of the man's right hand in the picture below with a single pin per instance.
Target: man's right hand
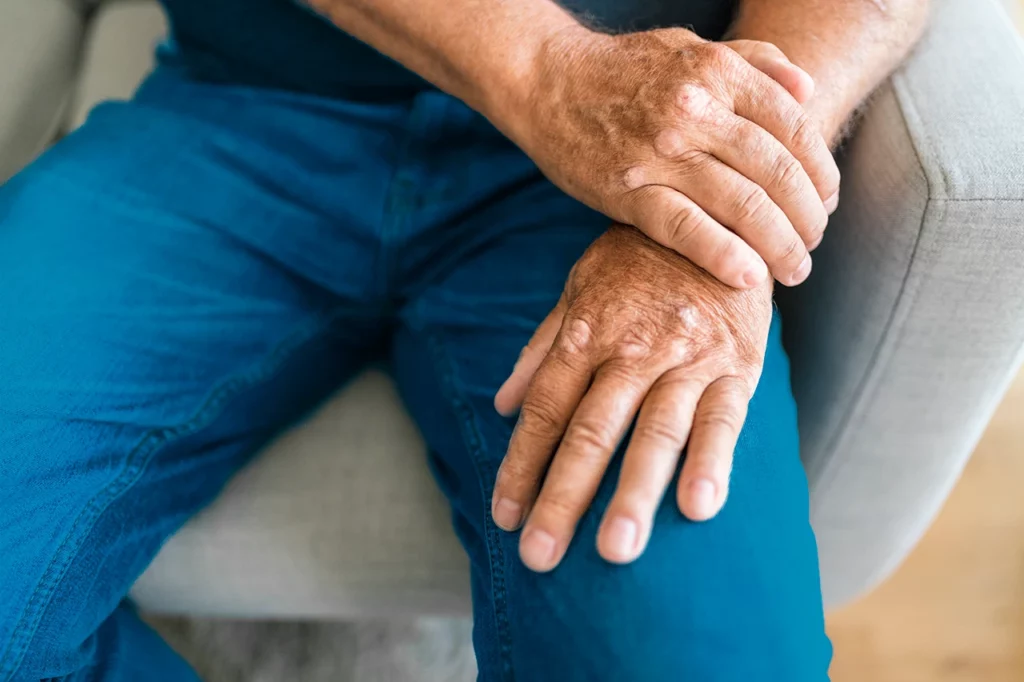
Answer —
(689, 142)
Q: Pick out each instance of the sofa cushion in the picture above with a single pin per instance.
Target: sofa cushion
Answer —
(338, 518)
(119, 52)
(39, 44)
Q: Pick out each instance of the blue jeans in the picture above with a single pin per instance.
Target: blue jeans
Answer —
(194, 270)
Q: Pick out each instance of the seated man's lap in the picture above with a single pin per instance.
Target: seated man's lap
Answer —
(736, 598)
(113, 234)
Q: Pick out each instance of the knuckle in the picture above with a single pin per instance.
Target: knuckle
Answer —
(576, 337)
(587, 440)
(752, 207)
(718, 417)
(785, 174)
(657, 431)
(693, 101)
(735, 391)
(677, 349)
(634, 177)
(669, 143)
(538, 416)
(624, 372)
(805, 135)
(683, 226)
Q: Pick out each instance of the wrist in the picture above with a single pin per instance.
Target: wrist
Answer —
(508, 93)
(832, 120)
(516, 103)
(831, 106)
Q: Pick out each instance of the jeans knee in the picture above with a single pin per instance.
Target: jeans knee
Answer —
(724, 601)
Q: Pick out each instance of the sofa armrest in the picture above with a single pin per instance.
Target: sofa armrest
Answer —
(39, 49)
(905, 337)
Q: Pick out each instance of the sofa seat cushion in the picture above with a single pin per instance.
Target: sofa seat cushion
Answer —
(338, 518)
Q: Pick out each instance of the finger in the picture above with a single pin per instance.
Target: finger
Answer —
(750, 150)
(579, 465)
(654, 449)
(766, 103)
(510, 395)
(704, 481)
(773, 62)
(832, 203)
(552, 397)
(753, 153)
(749, 211)
(675, 221)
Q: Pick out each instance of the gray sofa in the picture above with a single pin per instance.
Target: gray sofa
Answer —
(902, 341)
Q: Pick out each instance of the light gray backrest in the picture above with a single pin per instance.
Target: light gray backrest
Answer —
(39, 52)
(905, 336)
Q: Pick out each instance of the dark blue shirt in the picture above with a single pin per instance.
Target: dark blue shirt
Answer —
(283, 44)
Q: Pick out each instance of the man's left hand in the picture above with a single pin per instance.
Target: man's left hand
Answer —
(638, 333)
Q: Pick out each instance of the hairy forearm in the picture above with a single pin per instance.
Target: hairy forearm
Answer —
(847, 46)
(482, 51)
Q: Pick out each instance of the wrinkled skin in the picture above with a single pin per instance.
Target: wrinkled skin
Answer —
(638, 332)
(703, 146)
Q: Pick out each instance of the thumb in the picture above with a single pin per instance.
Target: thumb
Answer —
(772, 62)
(510, 395)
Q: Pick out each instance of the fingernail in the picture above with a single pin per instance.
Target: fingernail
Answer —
(537, 549)
(832, 203)
(507, 514)
(702, 498)
(802, 271)
(620, 536)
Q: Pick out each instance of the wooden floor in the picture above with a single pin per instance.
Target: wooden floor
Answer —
(955, 611)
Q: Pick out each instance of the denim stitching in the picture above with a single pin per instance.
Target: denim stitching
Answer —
(135, 465)
(473, 440)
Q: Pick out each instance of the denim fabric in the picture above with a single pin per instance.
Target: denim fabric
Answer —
(192, 271)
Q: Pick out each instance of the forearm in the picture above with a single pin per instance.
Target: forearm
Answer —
(847, 46)
(483, 52)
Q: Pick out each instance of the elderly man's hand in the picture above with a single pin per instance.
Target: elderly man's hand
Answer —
(702, 145)
(638, 333)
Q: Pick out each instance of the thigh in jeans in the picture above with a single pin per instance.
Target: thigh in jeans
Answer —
(147, 349)
(736, 599)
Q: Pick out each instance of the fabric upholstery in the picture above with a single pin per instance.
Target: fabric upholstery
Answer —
(902, 343)
(338, 517)
(39, 46)
(117, 54)
(904, 338)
